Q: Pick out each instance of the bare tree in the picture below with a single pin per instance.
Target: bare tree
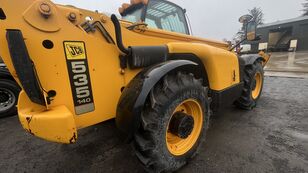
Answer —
(238, 37)
(257, 15)
(305, 5)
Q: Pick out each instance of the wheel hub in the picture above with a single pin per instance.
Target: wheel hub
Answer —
(181, 125)
(7, 99)
(4, 97)
(184, 127)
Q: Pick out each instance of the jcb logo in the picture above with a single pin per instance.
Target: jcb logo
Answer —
(74, 50)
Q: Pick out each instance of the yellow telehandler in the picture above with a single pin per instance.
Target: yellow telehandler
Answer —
(78, 68)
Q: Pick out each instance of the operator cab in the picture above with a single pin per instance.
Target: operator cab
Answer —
(158, 14)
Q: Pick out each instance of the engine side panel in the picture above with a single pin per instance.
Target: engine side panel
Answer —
(222, 66)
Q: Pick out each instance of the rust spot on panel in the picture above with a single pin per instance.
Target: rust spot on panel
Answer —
(73, 139)
(29, 119)
(29, 131)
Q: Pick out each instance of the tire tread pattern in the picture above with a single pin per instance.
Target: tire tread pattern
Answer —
(149, 140)
(246, 101)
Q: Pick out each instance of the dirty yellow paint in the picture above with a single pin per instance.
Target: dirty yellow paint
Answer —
(60, 123)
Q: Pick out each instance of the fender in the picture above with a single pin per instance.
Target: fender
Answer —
(200, 72)
(245, 60)
(134, 96)
(24, 66)
(250, 59)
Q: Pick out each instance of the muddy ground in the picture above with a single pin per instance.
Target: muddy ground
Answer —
(271, 138)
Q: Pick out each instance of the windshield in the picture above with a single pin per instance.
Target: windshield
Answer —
(159, 14)
(167, 16)
(134, 15)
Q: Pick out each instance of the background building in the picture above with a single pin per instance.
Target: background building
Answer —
(279, 35)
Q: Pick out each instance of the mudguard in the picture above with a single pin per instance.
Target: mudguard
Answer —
(250, 59)
(24, 66)
(134, 96)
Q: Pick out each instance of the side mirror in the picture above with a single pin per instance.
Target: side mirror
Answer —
(251, 33)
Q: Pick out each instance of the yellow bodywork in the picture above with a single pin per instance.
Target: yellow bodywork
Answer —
(56, 124)
(266, 57)
(222, 66)
(58, 121)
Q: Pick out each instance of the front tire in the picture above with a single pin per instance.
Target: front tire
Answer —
(253, 85)
(9, 92)
(173, 123)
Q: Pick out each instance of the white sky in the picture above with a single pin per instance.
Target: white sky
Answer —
(216, 19)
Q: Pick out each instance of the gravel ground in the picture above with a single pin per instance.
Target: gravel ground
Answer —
(271, 138)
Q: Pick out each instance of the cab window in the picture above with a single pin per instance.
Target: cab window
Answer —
(134, 14)
(167, 16)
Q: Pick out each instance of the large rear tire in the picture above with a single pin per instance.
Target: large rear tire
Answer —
(9, 92)
(173, 123)
(253, 85)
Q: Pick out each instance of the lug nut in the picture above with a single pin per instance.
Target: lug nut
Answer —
(103, 19)
(45, 9)
(72, 17)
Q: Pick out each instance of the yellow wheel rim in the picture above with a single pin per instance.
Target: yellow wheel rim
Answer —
(256, 91)
(176, 145)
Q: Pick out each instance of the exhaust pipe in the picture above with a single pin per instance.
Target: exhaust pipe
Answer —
(118, 33)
